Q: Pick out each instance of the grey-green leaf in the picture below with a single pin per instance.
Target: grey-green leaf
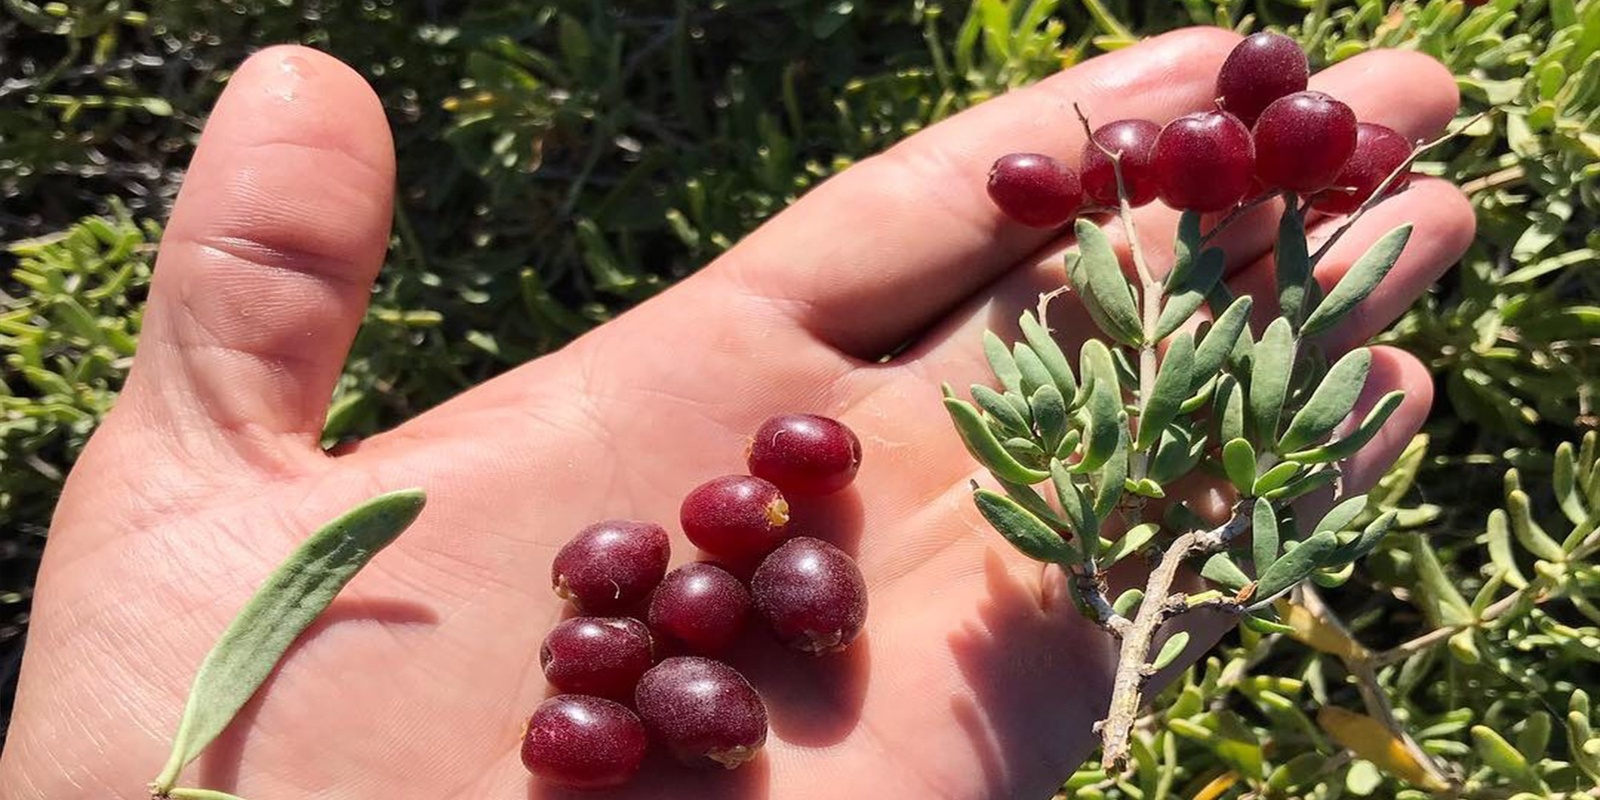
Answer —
(1221, 339)
(1330, 403)
(1075, 505)
(1050, 415)
(1170, 650)
(1338, 519)
(1293, 265)
(1191, 292)
(293, 596)
(1027, 533)
(1364, 276)
(1239, 462)
(1129, 543)
(1263, 536)
(1032, 370)
(1102, 273)
(1293, 567)
(1001, 409)
(1050, 354)
(1272, 363)
(1127, 601)
(1000, 360)
(985, 447)
(1104, 429)
(1171, 389)
(1221, 570)
(1184, 249)
(1369, 538)
(1275, 478)
(1230, 400)
(1347, 446)
(1110, 477)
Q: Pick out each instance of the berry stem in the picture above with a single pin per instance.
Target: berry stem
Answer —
(1234, 215)
(1159, 605)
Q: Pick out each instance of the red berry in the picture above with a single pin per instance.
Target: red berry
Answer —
(1204, 161)
(611, 565)
(1136, 139)
(1035, 190)
(805, 454)
(701, 606)
(812, 595)
(1379, 152)
(704, 711)
(1261, 69)
(600, 656)
(735, 516)
(1303, 140)
(583, 742)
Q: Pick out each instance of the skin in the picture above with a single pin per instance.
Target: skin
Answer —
(974, 678)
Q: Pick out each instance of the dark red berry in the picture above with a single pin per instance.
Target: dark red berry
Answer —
(805, 454)
(812, 595)
(583, 742)
(1303, 140)
(1204, 161)
(704, 711)
(735, 516)
(601, 656)
(611, 565)
(1379, 152)
(1261, 69)
(700, 606)
(1035, 190)
(1136, 140)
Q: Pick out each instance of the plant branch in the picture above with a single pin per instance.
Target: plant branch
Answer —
(1159, 605)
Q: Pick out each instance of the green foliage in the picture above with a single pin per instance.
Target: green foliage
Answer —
(558, 162)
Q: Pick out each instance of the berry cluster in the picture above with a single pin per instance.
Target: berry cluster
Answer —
(1267, 134)
(616, 697)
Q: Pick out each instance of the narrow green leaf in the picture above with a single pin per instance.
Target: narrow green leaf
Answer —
(983, 445)
(1293, 567)
(1498, 533)
(1528, 532)
(1230, 400)
(1533, 736)
(1222, 570)
(1026, 452)
(1029, 498)
(1239, 461)
(1032, 370)
(1001, 409)
(1102, 274)
(1349, 445)
(1369, 538)
(1330, 403)
(186, 793)
(1263, 536)
(1075, 504)
(1105, 425)
(1272, 364)
(1170, 650)
(1264, 625)
(1221, 339)
(1364, 276)
(1069, 443)
(1000, 360)
(1127, 601)
(1129, 543)
(1303, 485)
(1026, 532)
(1176, 455)
(1050, 415)
(1338, 518)
(1109, 479)
(293, 596)
(1564, 483)
(1171, 388)
(1441, 601)
(1184, 250)
(1050, 354)
(1275, 478)
(1191, 293)
(1293, 265)
(1500, 756)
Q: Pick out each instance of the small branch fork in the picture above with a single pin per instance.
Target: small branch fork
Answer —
(1160, 604)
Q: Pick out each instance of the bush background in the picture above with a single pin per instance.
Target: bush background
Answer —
(561, 161)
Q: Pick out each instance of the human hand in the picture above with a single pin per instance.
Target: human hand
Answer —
(975, 677)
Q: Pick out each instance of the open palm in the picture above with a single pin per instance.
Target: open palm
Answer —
(973, 679)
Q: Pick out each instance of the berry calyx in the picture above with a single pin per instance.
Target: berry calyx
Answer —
(1136, 140)
(1204, 161)
(1379, 152)
(700, 606)
(805, 454)
(609, 566)
(1260, 69)
(1303, 140)
(738, 517)
(1035, 190)
(583, 742)
(812, 595)
(704, 711)
(600, 656)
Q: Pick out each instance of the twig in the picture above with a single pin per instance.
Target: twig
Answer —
(1234, 215)
(1159, 605)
